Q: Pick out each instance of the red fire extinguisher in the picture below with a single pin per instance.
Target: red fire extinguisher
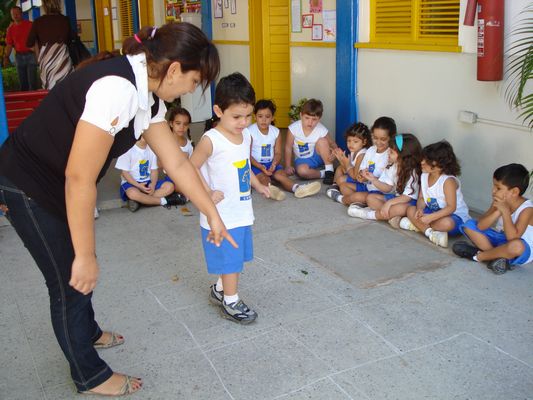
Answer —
(490, 14)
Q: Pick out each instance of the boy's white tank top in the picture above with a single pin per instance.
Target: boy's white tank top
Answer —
(304, 146)
(263, 145)
(435, 199)
(528, 233)
(228, 170)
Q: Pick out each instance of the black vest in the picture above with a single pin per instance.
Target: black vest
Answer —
(35, 156)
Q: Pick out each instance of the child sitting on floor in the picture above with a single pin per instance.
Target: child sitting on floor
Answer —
(266, 155)
(179, 120)
(440, 210)
(140, 184)
(511, 243)
(311, 144)
(374, 162)
(399, 182)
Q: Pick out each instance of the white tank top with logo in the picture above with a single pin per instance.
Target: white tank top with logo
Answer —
(304, 146)
(228, 170)
(375, 163)
(527, 236)
(263, 145)
(435, 199)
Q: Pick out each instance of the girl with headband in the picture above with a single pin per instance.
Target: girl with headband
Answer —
(50, 165)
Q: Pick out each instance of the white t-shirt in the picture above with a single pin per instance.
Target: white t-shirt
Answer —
(138, 162)
(112, 101)
(435, 199)
(263, 145)
(375, 163)
(228, 170)
(187, 149)
(304, 146)
(390, 177)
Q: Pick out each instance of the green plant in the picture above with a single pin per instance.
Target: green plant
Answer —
(520, 68)
(11, 79)
(295, 109)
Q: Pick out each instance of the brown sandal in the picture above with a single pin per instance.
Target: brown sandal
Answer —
(126, 389)
(116, 340)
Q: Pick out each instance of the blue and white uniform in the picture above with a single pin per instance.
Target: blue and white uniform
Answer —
(263, 146)
(375, 163)
(303, 145)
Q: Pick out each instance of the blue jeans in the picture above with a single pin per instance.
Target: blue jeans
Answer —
(27, 70)
(48, 240)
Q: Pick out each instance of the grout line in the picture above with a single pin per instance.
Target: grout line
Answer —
(498, 349)
(259, 334)
(344, 391)
(157, 300)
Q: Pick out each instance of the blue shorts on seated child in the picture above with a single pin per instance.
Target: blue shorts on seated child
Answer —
(456, 219)
(226, 259)
(359, 186)
(267, 165)
(126, 185)
(390, 196)
(314, 162)
(497, 239)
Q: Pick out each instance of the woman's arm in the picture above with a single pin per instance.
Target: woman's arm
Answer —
(89, 151)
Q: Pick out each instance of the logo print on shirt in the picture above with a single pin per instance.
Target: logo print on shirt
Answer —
(432, 204)
(144, 172)
(303, 148)
(266, 151)
(371, 166)
(243, 169)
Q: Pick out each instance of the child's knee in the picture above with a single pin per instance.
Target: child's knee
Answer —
(303, 170)
(516, 247)
(263, 179)
(411, 211)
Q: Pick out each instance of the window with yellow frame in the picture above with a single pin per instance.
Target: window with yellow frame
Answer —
(431, 25)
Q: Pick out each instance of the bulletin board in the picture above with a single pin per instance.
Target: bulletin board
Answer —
(174, 8)
(230, 20)
(313, 21)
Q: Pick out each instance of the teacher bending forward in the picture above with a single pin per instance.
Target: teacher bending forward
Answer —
(50, 165)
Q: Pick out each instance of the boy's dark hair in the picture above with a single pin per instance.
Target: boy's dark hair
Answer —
(513, 176)
(441, 154)
(211, 123)
(264, 103)
(361, 131)
(313, 107)
(386, 123)
(234, 89)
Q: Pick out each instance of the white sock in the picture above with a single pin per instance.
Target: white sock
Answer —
(231, 299)
(475, 258)
(371, 215)
(219, 287)
(428, 232)
(163, 201)
(339, 199)
(322, 173)
(294, 187)
(329, 167)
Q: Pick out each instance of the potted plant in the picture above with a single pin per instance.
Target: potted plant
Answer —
(295, 109)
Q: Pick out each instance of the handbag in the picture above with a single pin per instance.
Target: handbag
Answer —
(77, 51)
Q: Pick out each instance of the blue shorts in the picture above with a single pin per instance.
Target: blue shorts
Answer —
(390, 196)
(314, 162)
(456, 219)
(125, 186)
(497, 239)
(267, 165)
(226, 259)
(359, 186)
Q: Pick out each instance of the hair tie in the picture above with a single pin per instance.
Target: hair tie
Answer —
(137, 38)
(399, 141)
(153, 32)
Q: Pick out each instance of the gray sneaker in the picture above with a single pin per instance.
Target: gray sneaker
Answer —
(216, 297)
(133, 205)
(238, 312)
(499, 266)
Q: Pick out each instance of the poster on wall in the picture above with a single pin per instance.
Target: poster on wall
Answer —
(218, 13)
(315, 6)
(307, 20)
(329, 18)
(233, 6)
(317, 33)
(296, 15)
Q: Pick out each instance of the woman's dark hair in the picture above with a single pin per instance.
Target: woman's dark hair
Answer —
(178, 110)
(441, 155)
(409, 159)
(52, 6)
(234, 89)
(385, 123)
(513, 176)
(263, 103)
(361, 131)
(182, 42)
(313, 107)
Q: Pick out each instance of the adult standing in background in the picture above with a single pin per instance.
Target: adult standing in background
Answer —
(16, 37)
(50, 35)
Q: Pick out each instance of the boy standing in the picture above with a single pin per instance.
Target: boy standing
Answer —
(223, 155)
(511, 243)
(311, 144)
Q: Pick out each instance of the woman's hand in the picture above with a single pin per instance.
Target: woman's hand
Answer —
(218, 233)
(84, 274)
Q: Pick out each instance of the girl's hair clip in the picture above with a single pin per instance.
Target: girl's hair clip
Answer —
(137, 39)
(153, 32)
(399, 141)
